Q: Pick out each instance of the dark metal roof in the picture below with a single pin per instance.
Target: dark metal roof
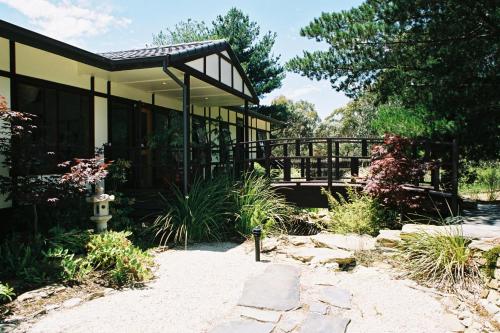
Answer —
(163, 51)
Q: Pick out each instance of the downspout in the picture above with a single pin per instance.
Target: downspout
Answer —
(185, 118)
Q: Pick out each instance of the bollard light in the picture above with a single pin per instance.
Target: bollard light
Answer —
(257, 231)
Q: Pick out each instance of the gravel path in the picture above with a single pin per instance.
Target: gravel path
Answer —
(194, 289)
(198, 289)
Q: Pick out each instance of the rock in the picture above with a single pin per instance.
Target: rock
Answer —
(498, 261)
(388, 238)
(490, 308)
(451, 302)
(14, 319)
(452, 323)
(299, 240)
(260, 315)
(322, 255)
(496, 318)
(51, 307)
(350, 242)
(496, 274)
(493, 284)
(493, 296)
(484, 244)
(335, 296)
(275, 289)
(484, 293)
(318, 307)
(243, 326)
(324, 324)
(472, 231)
(269, 244)
(72, 302)
(96, 294)
(466, 321)
(290, 320)
(41, 293)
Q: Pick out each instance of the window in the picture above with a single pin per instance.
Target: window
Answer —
(62, 121)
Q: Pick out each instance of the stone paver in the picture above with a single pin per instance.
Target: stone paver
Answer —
(389, 238)
(243, 326)
(275, 289)
(335, 296)
(471, 231)
(260, 315)
(322, 255)
(345, 242)
(485, 214)
(316, 323)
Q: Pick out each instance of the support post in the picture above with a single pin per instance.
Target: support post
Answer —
(186, 132)
(267, 156)
(308, 161)
(364, 148)
(337, 160)
(286, 163)
(454, 178)
(246, 131)
(329, 164)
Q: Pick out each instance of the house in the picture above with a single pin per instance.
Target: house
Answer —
(193, 98)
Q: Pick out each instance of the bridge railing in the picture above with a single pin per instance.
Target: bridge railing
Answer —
(340, 159)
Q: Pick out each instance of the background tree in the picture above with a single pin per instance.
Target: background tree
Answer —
(301, 119)
(253, 50)
(437, 56)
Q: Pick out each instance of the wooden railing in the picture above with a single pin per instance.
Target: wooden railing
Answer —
(337, 160)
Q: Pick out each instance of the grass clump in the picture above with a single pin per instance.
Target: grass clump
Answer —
(256, 203)
(197, 217)
(6, 293)
(440, 259)
(359, 214)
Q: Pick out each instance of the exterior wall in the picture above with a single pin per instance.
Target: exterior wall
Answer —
(4, 55)
(100, 121)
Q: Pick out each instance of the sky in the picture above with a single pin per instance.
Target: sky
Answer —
(100, 26)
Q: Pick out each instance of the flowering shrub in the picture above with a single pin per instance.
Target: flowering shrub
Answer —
(84, 172)
(391, 168)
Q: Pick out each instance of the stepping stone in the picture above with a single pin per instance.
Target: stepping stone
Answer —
(316, 323)
(323, 255)
(275, 289)
(335, 296)
(471, 231)
(389, 238)
(299, 240)
(260, 315)
(346, 242)
(243, 326)
(318, 307)
(290, 320)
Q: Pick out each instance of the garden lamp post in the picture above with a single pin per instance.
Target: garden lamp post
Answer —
(257, 231)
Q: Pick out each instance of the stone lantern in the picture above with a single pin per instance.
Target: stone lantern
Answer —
(100, 201)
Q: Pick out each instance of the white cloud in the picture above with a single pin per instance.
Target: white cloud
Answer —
(67, 20)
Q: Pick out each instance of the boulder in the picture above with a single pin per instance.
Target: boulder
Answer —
(351, 242)
(388, 238)
(323, 256)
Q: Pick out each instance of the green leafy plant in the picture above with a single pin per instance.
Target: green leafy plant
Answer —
(71, 269)
(440, 259)
(22, 261)
(360, 214)
(114, 253)
(257, 204)
(199, 216)
(73, 240)
(481, 180)
(6, 293)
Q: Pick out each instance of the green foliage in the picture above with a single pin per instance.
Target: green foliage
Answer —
(199, 216)
(441, 56)
(258, 204)
(114, 253)
(301, 118)
(6, 293)
(118, 172)
(442, 260)
(360, 214)
(73, 240)
(491, 257)
(71, 269)
(253, 50)
(481, 178)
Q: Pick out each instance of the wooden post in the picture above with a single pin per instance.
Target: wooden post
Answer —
(364, 148)
(337, 160)
(435, 178)
(354, 167)
(297, 153)
(454, 178)
(318, 167)
(329, 163)
(186, 131)
(286, 160)
(308, 161)
(267, 155)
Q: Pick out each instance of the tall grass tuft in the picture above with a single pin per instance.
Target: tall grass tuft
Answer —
(200, 216)
(256, 203)
(440, 259)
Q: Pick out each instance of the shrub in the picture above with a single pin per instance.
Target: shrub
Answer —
(73, 240)
(481, 178)
(360, 214)
(442, 260)
(6, 293)
(391, 168)
(257, 203)
(197, 217)
(70, 269)
(114, 253)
